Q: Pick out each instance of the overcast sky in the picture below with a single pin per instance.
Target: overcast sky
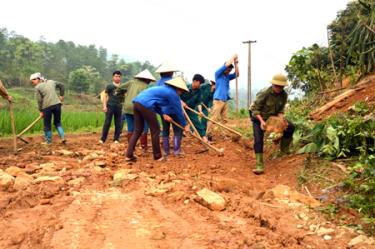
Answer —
(198, 36)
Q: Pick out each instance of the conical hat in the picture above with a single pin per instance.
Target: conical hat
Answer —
(145, 74)
(178, 82)
(166, 67)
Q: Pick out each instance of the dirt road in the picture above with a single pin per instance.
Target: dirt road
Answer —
(73, 201)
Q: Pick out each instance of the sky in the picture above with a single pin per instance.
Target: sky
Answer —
(195, 35)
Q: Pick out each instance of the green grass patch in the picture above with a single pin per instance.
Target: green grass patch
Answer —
(71, 121)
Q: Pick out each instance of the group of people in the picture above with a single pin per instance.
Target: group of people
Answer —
(142, 100)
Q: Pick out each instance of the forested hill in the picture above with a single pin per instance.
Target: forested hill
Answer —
(83, 69)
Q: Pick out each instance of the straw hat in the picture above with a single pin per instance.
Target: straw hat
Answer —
(145, 74)
(166, 67)
(178, 82)
(279, 80)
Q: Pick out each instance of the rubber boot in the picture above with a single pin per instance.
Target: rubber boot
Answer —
(259, 166)
(166, 146)
(284, 145)
(177, 145)
(143, 140)
(61, 133)
(48, 137)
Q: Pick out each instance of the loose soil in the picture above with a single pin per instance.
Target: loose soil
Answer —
(154, 206)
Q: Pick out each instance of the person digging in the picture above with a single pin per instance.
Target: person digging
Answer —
(222, 92)
(163, 100)
(49, 104)
(270, 102)
(193, 100)
(207, 98)
(166, 71)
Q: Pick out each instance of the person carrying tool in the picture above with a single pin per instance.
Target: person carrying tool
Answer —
(221, 94)
(49, 104)
(270, 102)
(192, 99)
(133, 87)
(6, 96)
(112, 107)
(207, 96)
(163, 100)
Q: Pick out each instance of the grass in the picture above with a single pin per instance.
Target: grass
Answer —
(71, 121)
(79, 112)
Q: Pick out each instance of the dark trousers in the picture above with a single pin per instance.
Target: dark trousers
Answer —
(258, 134)
(167, 126)
(112, 111)
(48, 112)
(142, 115)
(197, 123)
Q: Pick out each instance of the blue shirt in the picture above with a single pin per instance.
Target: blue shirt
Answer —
(162, 81)
(162, 100)
(222, 84)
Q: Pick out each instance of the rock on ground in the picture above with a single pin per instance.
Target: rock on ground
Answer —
(210, 200)
(6, 180)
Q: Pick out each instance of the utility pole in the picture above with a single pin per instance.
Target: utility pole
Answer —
(249, 74)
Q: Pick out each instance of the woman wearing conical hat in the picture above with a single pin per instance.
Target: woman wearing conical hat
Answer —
(162, 100)
(133, 87)
(270, 102)
(166, 71)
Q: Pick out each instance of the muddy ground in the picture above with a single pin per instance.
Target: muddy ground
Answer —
(72, 201)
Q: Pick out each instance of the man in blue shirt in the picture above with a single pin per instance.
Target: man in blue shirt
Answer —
(222, 91)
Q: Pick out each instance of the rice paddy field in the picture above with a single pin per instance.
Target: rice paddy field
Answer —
(80, 113)
(71, 121)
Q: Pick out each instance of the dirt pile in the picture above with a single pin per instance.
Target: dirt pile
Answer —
(363, 91)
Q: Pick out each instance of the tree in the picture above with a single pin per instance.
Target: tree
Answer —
(86, 68)
(309, 69)
(352, 37)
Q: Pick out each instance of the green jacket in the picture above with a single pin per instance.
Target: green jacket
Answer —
(268, 103)
(133, 87)
(116, 95)
(207, 95)
(46, 93)
(192, 98)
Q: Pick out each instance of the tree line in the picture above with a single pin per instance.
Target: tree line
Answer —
(84, 69)
(350, 54)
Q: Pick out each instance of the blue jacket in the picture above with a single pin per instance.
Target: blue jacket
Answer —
(222, 84)
(162, 81)
(162, 100)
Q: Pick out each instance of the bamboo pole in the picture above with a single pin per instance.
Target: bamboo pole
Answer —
(190, 122)
(13, 128)
(235, 68)
(29, 127)
(213, 121)
(220, 151)
(4, 93)
(208, 109)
